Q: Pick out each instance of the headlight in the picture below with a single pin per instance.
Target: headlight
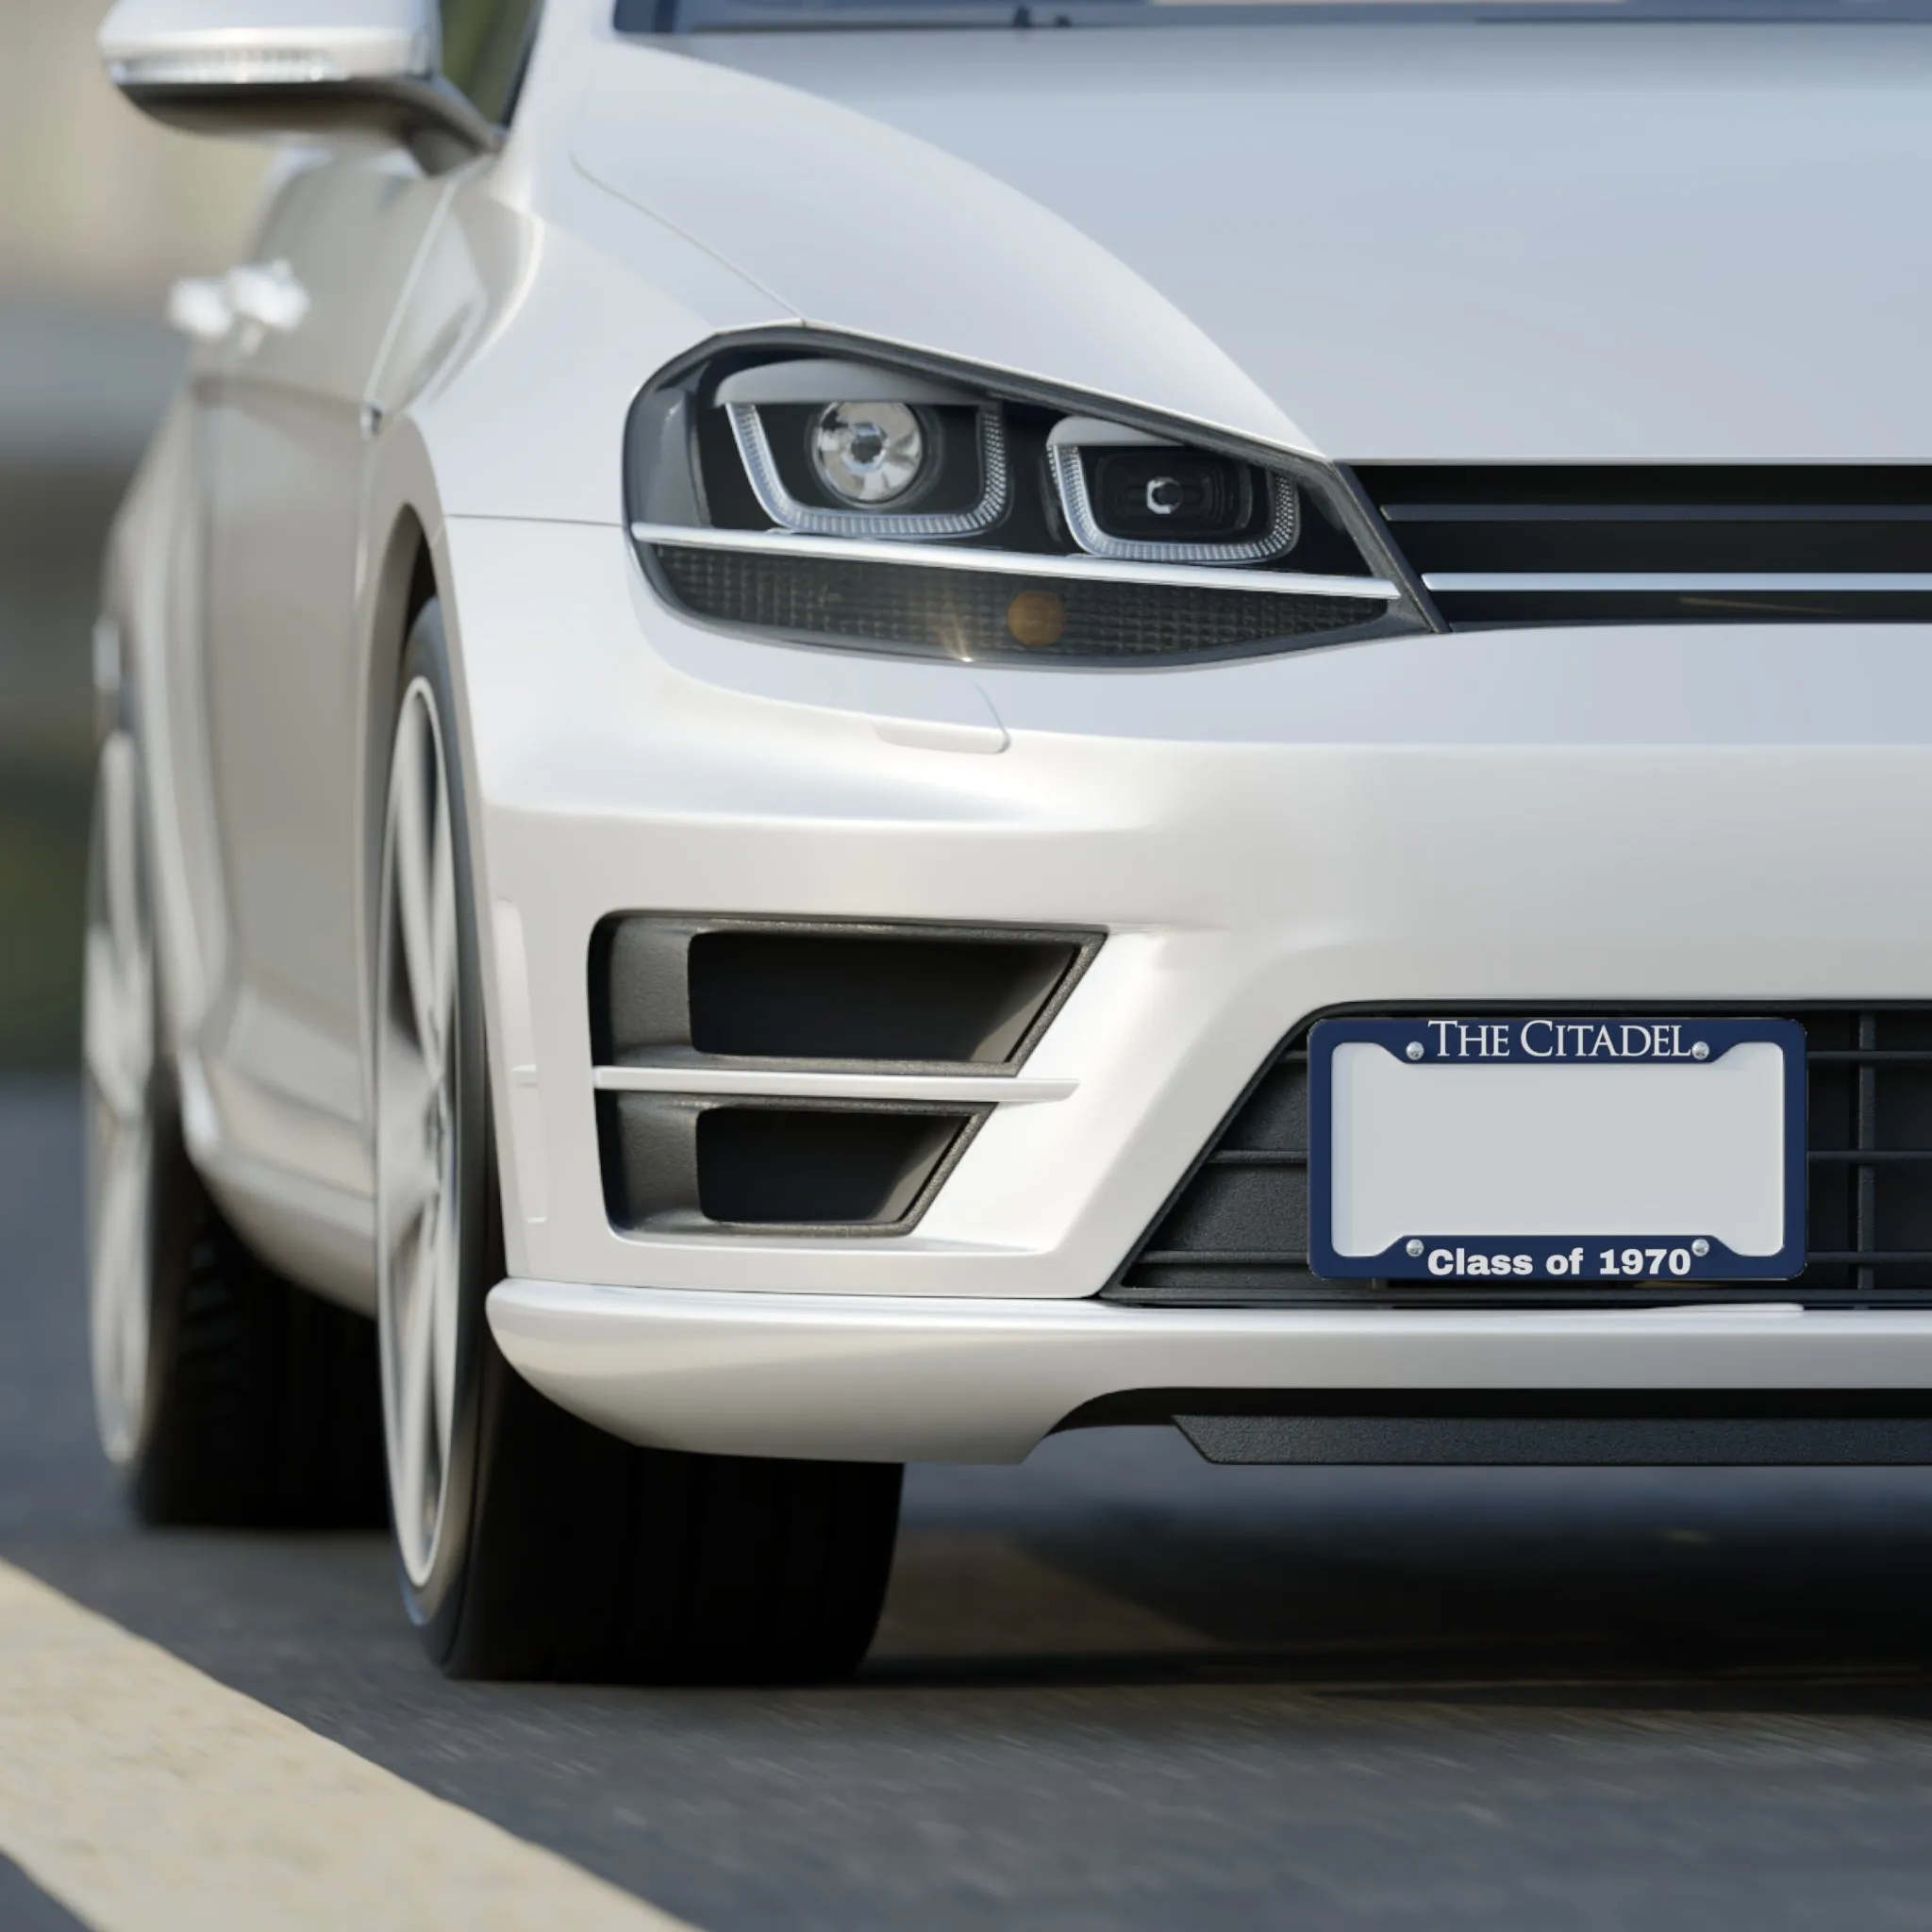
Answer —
(867, 504)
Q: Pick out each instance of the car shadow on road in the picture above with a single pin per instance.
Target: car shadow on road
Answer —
(1718, 1590)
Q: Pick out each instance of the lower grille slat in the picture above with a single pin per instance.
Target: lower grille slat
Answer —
(1867, 1157)
(1235, 1232)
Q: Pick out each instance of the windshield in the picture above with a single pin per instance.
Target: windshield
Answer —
(723, 16)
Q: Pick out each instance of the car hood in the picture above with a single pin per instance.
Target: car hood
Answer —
(1394, 240)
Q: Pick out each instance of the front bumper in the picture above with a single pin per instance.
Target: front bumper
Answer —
(906, 1379)
(1603, 816)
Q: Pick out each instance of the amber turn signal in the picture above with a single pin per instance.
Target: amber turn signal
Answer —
(1036, 617)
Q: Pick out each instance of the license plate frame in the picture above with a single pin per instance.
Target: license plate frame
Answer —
(1459, 1258)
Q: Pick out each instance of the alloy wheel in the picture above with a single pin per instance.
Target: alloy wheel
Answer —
(419, 1251)
(118, 1056)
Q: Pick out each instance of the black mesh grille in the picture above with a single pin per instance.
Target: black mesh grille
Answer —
(972, 614)
(1488, 539)
(1237, 1230)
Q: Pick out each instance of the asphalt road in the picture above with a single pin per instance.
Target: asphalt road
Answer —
(1117, 1688)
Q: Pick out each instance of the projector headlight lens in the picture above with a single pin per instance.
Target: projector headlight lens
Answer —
(1173, 495)
(870, 453)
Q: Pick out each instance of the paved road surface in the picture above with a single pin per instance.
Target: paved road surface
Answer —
(1119, 1688)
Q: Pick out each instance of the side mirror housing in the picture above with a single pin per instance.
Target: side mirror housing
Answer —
(293, 67)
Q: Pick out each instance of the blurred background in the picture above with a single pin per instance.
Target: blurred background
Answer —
(99, 211)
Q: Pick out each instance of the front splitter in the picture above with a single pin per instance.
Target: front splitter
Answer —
(924, 1379)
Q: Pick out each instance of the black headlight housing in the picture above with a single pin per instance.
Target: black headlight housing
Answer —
(821, 492)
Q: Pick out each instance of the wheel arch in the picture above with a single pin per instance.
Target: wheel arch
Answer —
(402, 581)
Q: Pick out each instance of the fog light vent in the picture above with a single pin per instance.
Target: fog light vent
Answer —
(903, 997)
(674, 1161)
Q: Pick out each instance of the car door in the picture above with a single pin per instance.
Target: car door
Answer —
(290, 441)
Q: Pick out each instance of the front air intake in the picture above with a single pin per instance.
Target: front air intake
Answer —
(802, 1076)
(665, 989)
(676, 1162)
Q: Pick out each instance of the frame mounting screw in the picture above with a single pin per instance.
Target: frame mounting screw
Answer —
(1700, 1249)
(1700, 1050)
(1414, 1049)
(1415, 1249)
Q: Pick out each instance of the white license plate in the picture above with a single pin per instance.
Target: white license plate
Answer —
(1556, 1148)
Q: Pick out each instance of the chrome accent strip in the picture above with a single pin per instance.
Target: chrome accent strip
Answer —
(1016, 563)
(778, 502)
(761, 1083)
(1677, 580)
(230, 67)
(1070, 479)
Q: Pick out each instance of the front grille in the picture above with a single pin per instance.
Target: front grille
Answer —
(1548, 543)
(1235, 1231)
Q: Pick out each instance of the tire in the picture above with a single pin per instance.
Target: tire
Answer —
(529, 1543)
(226, 1394)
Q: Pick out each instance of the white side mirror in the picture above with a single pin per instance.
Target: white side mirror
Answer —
(241, 43)
(292, 67)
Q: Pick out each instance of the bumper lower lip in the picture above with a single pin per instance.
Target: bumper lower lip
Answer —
(902, 1378)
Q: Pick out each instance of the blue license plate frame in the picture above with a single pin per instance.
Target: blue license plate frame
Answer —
(1465, 1261)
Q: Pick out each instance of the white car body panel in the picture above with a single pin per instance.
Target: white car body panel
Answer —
(1619, 241)
(933, 252)
(1618, 814)
(284, 413)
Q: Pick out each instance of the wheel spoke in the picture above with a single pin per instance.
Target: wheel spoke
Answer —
(415, 887)
(445, 1311)
(107, 1052)
(117, 1051)
(118, 1315)
(412, 1449)
(410, 1178)
(443, 912)
(123, 860)
(118, 1031)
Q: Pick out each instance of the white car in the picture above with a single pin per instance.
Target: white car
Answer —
(838, 731)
